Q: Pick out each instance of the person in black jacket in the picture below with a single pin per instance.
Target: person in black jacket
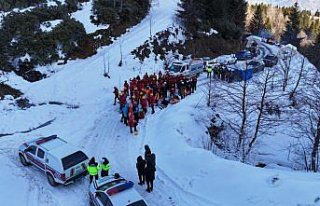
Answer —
(140, 165)
(146, 151)
(150, 176)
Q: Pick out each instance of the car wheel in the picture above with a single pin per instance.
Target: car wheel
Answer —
(23, 160)
(51, 180)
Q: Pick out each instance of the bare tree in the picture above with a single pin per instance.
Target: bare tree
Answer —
(297, 83)
(307, 121)
(263, 86)
(285, 65)
(235, 101)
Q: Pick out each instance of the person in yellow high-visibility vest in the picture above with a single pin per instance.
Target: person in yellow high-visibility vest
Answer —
(209, 71)
(105, 167)
(93, 169)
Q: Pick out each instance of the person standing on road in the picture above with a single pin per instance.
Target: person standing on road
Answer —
(141, 165)
(150, 176)
(116, 95)
(105, 167)
(132, 122)
(93, 169)
(125, 113)
(146, 151)
(209, 71)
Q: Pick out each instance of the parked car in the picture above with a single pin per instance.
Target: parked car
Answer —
(60, 161)
(186, 68)
(270, 60)
(226, 59)
(271, 41)
(114, 190)
(256, 66)
(244, 55)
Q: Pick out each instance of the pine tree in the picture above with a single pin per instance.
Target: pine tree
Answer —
(293, 26)
(318, 39)
(237, 9)
(256, 23)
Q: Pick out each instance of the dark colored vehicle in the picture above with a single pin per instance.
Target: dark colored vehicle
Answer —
(270, 60)
(244, 55)
(256, 66)
(271, 41)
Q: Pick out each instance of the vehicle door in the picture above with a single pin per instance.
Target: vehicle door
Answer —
(40, 158)
(102, 199)
(31, 153)
(184, 70)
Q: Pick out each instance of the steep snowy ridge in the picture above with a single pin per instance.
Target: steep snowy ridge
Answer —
(187, 175)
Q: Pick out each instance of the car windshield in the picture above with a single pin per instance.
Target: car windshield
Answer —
(74, 159)
(270, 57)
(175, 68)
(111, 184)
(138, 203)
(254, 63)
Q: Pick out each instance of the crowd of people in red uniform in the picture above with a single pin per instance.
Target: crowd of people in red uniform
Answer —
(140, 94)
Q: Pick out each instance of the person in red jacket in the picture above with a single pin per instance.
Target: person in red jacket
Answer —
(152, 102)
(132, 122)
(144, 103)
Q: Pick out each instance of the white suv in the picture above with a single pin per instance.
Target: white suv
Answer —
(61, 162)
(114, 191)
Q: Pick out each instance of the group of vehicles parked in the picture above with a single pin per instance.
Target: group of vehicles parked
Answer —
(190, 67)
(64, 163)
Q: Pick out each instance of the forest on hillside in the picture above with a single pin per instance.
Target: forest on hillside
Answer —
(22, 34)
(287, 25)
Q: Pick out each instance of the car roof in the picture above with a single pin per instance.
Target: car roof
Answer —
(64, 150)
(125, 197)
(121, 198)
(52, 144)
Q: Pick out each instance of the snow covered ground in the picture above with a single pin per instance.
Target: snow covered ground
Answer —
(49, 25)
(83, 16)
(187, 175)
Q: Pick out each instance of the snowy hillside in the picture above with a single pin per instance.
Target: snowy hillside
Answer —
(76, 103)
(304, 4)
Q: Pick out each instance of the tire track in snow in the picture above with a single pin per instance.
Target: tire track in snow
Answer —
(39, 191)
(37, 194)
